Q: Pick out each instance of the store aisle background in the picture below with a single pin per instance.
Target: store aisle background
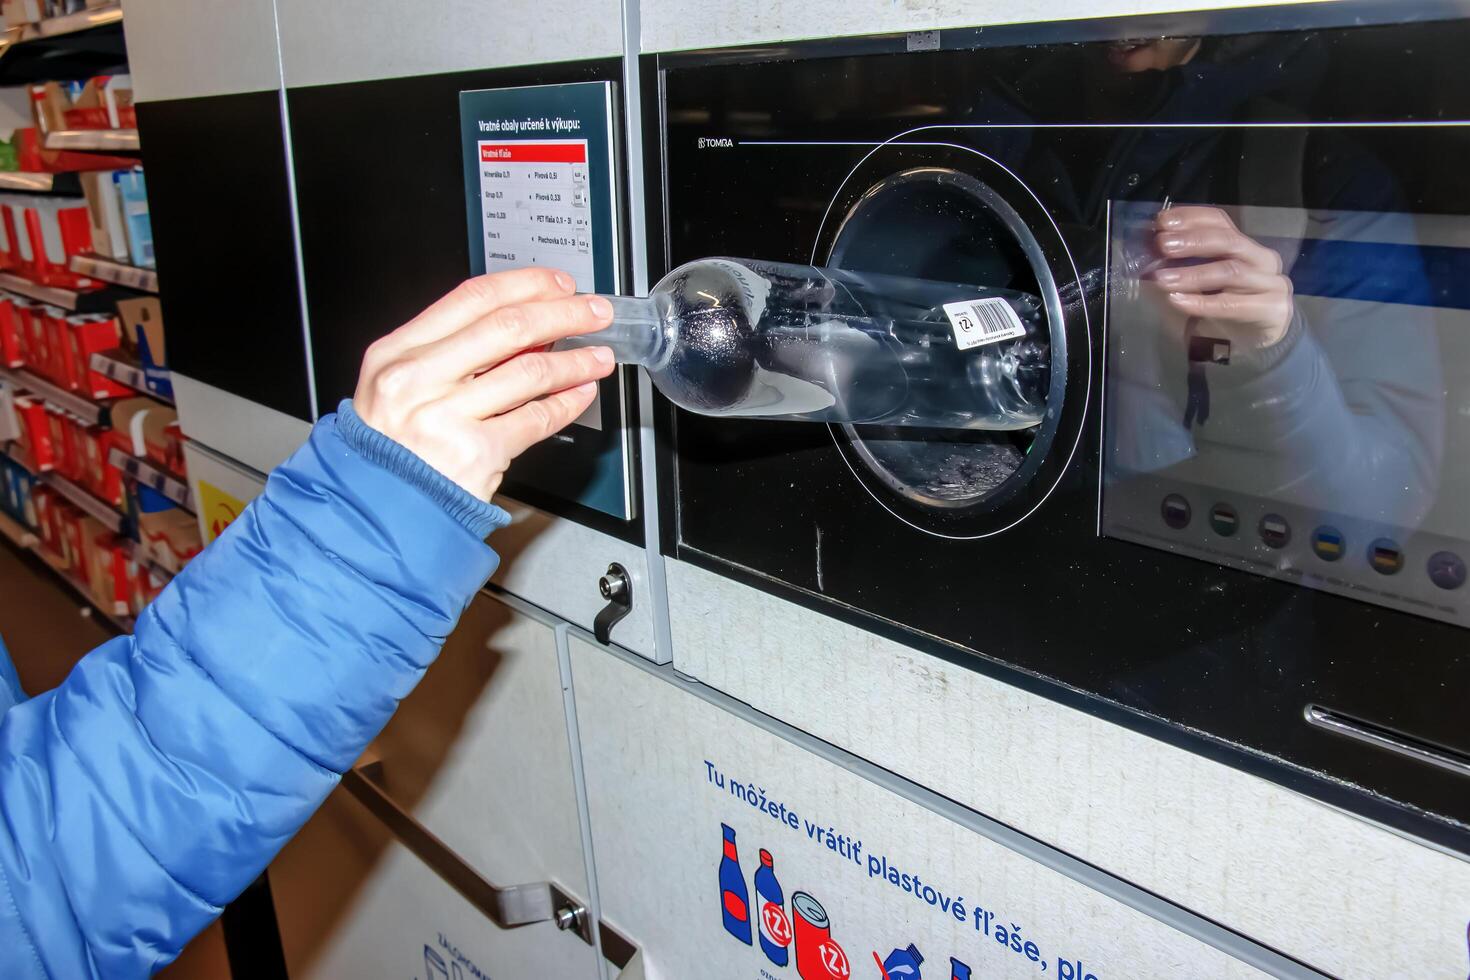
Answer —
(47, 632)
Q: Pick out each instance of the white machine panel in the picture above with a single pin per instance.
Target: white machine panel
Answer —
(183, 49)
(883, 871)
(678, 25)
(479, 753)
(1318, 884)
(556, 563)
(324, 42)
(236, 427)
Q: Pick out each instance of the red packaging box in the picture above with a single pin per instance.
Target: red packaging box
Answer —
(50, 232)
(66, 454)
(100, 476)
(44, 502)
(87, 335)
(170, 537)
(12, 349)
(38, 345)
(58, 365)
(108, 569)
(146, 587)
(35, 441)
(73, 539)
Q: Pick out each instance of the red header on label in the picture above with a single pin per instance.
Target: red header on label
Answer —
(533, 152)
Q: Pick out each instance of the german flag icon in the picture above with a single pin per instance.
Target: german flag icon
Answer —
(1386, 557)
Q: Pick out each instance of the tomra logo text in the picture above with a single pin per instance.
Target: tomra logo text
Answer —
(710, 142)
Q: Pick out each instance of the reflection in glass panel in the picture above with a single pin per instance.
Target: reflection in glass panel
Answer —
(1288, 392)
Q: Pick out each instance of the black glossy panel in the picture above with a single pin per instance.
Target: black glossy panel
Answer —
(1181, 645)
(380, 186)
(220, 206)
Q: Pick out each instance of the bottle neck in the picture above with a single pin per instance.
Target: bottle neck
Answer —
(635, 334)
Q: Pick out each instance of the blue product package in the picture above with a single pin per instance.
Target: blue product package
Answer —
(134, 194)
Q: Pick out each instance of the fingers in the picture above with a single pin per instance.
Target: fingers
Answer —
(1211, 241)
(530, 376)
(1227, 275)
(1192, 216)
(510, 330)
(478, 297)
(1252, 309)
(516, 431)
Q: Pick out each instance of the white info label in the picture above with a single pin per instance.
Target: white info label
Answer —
(977, 322)
(536, 207)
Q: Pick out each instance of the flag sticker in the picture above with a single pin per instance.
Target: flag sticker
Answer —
(977, 322)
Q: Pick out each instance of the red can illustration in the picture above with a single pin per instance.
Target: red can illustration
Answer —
(818, 957)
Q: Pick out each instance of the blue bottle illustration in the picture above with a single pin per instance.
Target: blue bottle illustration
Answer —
(734, 896)
(775, 929)
(958, 970)
(903, 964)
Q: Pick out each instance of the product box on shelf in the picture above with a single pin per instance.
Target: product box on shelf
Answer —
(34, 446)
(72, 532)
(64, 442)
(37, 341)
(49, 102)
(105, 213)
(8, 257)
(12, 351)
(145, 587)
(133, 190)
(151, 430)
(18, 486)
(109, 570)
(170, 537)
(85, 335)
(49, 231)
(105, 102)
(57, 366)
(99, 475)
(9, 421)
(43, 502)
(143, 337)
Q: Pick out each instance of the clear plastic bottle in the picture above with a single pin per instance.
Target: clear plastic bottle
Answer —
(741, 337)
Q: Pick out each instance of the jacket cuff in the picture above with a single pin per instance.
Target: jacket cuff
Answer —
(479, 517)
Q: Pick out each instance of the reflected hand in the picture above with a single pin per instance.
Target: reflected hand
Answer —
(467, 385)
(1239, 292)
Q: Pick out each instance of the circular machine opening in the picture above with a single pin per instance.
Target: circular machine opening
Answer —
(953, 224)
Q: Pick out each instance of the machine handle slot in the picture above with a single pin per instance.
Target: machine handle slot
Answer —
(510, 906)
(1388, 739)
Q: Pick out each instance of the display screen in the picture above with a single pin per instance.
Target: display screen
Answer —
(1288, 393)
(540, 190)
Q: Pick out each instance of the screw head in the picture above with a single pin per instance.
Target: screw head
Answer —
(568, 917)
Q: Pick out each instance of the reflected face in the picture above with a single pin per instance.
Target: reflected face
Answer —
(1155, 54)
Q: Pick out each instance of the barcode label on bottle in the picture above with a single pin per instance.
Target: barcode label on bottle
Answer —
(977, 322)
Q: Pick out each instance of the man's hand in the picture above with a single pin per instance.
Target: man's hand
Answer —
(468, 385)
(1239, 291)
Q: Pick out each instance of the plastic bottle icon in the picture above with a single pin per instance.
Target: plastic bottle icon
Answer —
(903, 964)
(958, 970)
(775, 930)
(734, 896)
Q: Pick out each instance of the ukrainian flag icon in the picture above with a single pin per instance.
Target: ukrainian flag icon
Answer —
(1328, 543)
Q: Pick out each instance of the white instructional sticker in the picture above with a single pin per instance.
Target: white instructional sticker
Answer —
(977, 322)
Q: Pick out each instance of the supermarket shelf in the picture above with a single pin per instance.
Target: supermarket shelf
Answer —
(154, 477)
(75, 300)
(117, 273)
(19, 535)
(32, 182)
(93, 413)
(93, 505)
(115, 365)
(99, 140)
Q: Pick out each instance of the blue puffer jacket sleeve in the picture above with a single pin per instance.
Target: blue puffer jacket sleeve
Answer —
(162, 776)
